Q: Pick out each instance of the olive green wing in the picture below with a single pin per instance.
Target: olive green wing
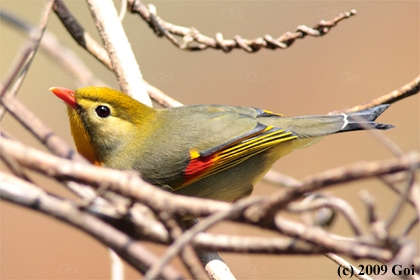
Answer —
(231, 136)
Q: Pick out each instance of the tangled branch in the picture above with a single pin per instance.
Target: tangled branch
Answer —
(202, 42)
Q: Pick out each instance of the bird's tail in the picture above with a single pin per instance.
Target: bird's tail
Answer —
(364, 119)
(316, 126)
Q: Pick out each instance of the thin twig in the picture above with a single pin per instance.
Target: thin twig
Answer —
(406, 191)
(213, 263)
(47, 137)
(391, 185)
(343, 262)
(27, 56)
(79, 34)
(407, 90)
(123, 10)
(117, 266)
(407, 250)
(187, 254)
(369, 202)
(380, 136)
(11, 162)
(410, 226)
(415, 195)
(258, 245)
(334, 203)
(317, 236)
(324, 216)
(356, 171)
(377, 225)
(160, 97)
(57, 52)
(202, 42)
(236, 209)
(36, 39)
(277, 178)
(34, 125)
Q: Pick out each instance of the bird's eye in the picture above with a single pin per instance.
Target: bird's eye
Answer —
(103, 111)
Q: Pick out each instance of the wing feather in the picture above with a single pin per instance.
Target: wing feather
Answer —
(211, 161)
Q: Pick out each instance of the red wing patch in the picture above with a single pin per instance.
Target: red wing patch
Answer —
(198, 166)
(212, 161)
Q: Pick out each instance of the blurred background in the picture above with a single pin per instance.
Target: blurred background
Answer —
(364, 57)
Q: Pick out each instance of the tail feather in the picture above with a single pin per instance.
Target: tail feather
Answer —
(364, 119)
(316, 126)
(370, 114)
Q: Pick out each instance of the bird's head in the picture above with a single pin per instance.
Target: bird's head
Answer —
(103, 120)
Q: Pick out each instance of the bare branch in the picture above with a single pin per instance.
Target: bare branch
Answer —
(218, 270)
(377, 225)
(125, 183)
(56, 51)
(26, 57)
(119, 50)
(257, 245)
(25, 194)
(407, 90)
(356, 171)
(404, 197)
(187, 254)
(407, 252)
(385, 179)
(34, 125)
(79, 34)
(410, 226)
(236, 209)
(318, 236)
(11, 163)
(191, 35)
(330, 202)
(46, 136)
(160, 97)
(277, 178)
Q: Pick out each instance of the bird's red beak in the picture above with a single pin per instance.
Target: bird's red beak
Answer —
(66, 95)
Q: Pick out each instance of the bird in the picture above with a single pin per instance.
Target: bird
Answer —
(210, 151)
